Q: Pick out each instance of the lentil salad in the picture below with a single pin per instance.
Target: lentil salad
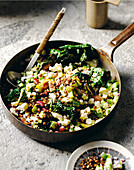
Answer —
(65, 91)
(103, 161)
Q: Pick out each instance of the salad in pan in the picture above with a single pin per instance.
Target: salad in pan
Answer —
(65, 91)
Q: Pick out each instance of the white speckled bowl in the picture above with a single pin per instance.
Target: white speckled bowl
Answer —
(114, 149)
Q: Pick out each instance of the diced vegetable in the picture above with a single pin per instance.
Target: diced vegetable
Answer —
(34, 109)
(64, 91)
(40, 103)
(36, 81)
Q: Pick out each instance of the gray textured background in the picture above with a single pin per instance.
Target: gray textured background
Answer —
(25, 23)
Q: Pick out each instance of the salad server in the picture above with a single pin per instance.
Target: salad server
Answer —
(12, 76)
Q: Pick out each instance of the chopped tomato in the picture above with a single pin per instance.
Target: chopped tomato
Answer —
(61, 129)
(40, 103)
(40, 75)
(36, 81)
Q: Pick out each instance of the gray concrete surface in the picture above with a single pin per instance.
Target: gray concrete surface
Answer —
(25, 23)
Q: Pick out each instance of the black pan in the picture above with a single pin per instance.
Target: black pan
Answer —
(17, 64)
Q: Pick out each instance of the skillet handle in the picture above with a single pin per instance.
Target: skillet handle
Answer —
(118, 40)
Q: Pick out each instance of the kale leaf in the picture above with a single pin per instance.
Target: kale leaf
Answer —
(73, 53)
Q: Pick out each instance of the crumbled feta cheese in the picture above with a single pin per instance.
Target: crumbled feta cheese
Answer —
(104, 96)
(34, 93)
(108, 163)
(57, 115)
(29, 73)
(81, 101)
(34, 69)
(37, 90)
(84, 113)
(68, 68)
(103, 90)
(23, 78)
(84, 116)
(88, 109)
(21, 84)
(64, 121)
(72, 126)
(52, 96)
(28, 94)
(23, 107)
(42, 72)
(12, 110)
(97, 103)
(90, 121)
(49, 75)
(114, 85)
(60, 74)
(34, 119)
(94, 74)
(86, 72)
(66, 99)
(28, 119)
(91, 101)
(115, 93)
(70, 95)
(14, 103)
(76, 128)
(75, 71)
(115, 99)
(41, 115)
(57, 67)
(117, 164)
(104, 104)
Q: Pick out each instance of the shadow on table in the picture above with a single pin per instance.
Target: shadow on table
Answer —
(14, 8)
(112, 25)
(118, 128)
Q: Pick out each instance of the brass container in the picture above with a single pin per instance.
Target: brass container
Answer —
(96, 13)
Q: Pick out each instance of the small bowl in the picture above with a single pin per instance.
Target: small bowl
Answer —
(97, 147)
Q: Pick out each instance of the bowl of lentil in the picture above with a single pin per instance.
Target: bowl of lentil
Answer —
(100, 155)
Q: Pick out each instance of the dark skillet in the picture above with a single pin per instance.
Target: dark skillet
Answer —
(17, 64)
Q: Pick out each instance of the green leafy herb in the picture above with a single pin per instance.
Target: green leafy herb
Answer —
(14, 95)
(73, 53)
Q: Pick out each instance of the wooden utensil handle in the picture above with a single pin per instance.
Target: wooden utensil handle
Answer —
(50, 31)
(114, 2)
(124, 35)
(118, 40)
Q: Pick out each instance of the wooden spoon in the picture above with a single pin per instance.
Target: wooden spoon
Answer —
(12, 76)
